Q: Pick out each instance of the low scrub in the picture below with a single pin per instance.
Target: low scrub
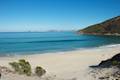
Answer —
(39, 71)
(24, 67)
(115, 63)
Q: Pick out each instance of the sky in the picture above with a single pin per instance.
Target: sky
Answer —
(43, 15)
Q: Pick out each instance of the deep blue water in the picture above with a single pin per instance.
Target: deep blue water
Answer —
(33, 42)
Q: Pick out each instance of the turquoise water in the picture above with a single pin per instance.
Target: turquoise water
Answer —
(20, 43)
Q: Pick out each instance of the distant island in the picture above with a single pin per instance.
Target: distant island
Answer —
(108, 27)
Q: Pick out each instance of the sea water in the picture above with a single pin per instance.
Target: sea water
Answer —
(20, 43)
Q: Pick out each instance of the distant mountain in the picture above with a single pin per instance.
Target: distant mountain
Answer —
(108, 27)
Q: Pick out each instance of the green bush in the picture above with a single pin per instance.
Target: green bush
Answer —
(114, 63)
(22, 67)
(25, 67)
(39, 71)
(15, 66)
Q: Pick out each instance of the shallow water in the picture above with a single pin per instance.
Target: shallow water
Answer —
(12, 43)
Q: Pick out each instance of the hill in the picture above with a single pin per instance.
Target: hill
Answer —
(108, 27)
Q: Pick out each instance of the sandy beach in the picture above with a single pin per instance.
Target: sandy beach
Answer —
(70, 65)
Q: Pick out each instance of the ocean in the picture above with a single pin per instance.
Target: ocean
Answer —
(25, 43)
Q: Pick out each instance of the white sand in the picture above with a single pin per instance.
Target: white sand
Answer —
(71, 65)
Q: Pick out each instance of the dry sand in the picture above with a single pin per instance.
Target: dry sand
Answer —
(71, 65)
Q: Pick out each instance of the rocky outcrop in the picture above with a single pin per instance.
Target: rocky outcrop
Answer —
(107, 70)
(114, 61)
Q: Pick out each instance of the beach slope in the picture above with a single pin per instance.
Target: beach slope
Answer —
(71, 65)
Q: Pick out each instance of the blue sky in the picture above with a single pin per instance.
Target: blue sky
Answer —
(42, 15)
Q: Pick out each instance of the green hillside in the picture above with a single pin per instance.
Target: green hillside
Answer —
(111, 26)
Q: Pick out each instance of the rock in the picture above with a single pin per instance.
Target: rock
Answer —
(0, 75)
(108, 69)
(116, 57)
(103, 78)
(114, 61)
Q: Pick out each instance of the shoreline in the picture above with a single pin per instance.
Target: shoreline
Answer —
(57, 52)
(66, 65)
(100, 34)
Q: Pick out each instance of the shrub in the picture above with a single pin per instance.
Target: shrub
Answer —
(22, 67)
(15, 66)
(114, 63)
(25, 67)
(39, 71)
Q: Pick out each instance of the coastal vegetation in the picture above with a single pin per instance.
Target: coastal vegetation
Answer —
(39, 71)
(24, 67)
(108, 27)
